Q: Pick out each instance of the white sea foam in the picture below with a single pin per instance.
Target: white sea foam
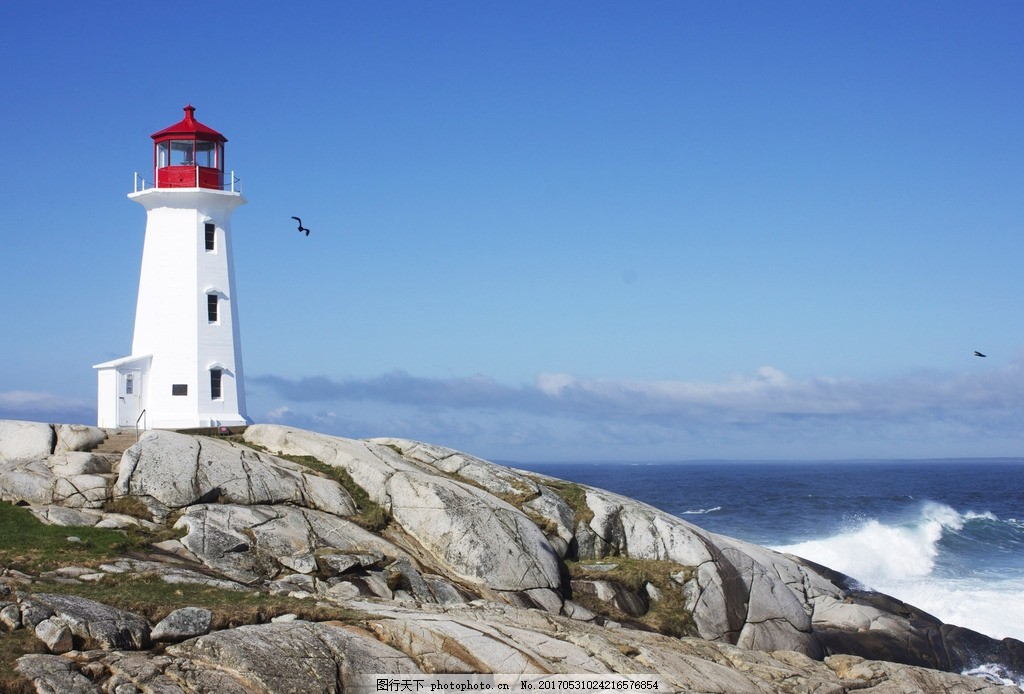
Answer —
(701, 511)
(899, 560)
(996, 674)
(874, 552)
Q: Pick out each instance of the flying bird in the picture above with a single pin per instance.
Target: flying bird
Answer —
(301, 228)
(979, 354)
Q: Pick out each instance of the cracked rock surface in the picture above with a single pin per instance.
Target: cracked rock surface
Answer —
(472, 567)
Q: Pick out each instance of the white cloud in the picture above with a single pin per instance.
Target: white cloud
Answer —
(764, 413)
(41, 402)
(278, 414)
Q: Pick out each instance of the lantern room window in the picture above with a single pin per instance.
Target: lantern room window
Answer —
(189, 153)
(207, 154)
(183, 153)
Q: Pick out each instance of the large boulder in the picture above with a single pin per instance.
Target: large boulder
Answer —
(183, 623)
(94, 623)
(734, 597)
(21, 441)
(296, 656)
(457, 645)
(626, 526)
(176, 470)
(499, 480)
(44, 464)
(250, 543)
(78, 437)
(52, 673)
(474, 535)
(370, 465)
(471, 533)
(525, 490)
(66, 479)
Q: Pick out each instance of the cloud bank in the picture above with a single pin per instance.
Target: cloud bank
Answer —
(758, 415)
(46, 407)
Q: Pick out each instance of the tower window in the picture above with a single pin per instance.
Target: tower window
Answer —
(211, 236)
(179, 389)
(215, 376)
(211, 307)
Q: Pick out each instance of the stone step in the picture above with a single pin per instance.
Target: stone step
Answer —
(117, 442)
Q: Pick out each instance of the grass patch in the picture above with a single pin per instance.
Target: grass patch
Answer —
(28, 545)
(370, 515)
(128, 506)
(520, 496)
(13, 646)
(396, 448)
(148, 595)
(574, 495)
(667, 616)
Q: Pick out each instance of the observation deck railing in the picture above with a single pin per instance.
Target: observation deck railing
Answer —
(228, 181)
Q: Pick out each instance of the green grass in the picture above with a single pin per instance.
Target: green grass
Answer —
(148, 595)
(522, 494)
(13, 646)
(668, 616)
(370, 515)
(396, 448)
(128, 506)
(26, 544)
(574, 495)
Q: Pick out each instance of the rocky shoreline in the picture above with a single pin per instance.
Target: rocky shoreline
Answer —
(398, 556)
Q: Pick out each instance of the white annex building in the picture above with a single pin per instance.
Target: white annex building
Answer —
(185, 368)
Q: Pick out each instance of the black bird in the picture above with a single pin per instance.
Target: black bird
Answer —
(301, 228)
(979, 354)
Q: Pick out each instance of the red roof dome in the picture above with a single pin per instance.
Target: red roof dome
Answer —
(189, 128)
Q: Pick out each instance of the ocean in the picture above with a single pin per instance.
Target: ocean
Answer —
(944, 535)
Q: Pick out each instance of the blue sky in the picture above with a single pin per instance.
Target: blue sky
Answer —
(544, 231)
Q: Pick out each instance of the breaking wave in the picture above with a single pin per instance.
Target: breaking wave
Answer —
(934, 560)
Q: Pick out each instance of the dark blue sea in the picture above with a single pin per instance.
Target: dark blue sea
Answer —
(944, 535)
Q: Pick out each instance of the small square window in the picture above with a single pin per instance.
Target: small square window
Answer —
(215, 377)
(211, 237)
(179, 389)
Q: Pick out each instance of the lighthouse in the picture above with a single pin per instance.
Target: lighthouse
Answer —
(185, 368)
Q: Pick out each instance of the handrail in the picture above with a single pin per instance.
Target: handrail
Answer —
(229, 182)
(144, 424)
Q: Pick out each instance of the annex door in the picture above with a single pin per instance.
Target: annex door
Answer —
(129, 397)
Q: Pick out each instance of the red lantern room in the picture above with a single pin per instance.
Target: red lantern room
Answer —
(188, 154)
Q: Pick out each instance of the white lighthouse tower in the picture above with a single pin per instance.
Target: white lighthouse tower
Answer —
(185, 368)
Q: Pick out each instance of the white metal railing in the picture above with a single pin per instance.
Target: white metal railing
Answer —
(141, 183)
(228, 182)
